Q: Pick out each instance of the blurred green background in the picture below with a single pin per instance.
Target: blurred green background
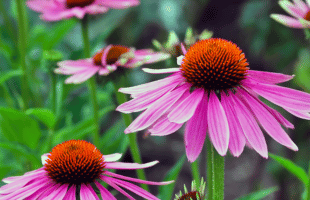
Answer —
(268, 46)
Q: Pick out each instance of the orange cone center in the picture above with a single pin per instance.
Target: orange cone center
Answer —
(113, 55)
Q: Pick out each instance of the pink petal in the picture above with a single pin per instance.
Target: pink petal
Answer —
(70, 195)
(105, 194)
(236, 139)
(112, 157)
(218, 124)
(122, 165)
(161, 71)
(290, 8)
(195, 130)
(287, 21)
(146, 99)
(164, 127)
(250, 128)
(135, 189)
(268, 77)
(280, 118)
(105, 54)
(110, 181)
(302, 6)
(119, 4)
(152, 85)
(268, 122)
(87, 193)
(160, 107)
(281, 96)
(58, 193)
(300, 114)
(39, 191)
(81, 77)
(136, 180)
(185, 110)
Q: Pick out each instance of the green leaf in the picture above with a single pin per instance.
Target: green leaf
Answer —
(17, 126)
(259, 194)
(58, 32)
(114, 140)
(166, 191)
(4, 170)
(19, 150)
(4, 76)
(302, 69)
(292, 167)
(79, 130)
(44, 115)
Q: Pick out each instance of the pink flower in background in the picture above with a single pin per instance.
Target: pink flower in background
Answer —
(216, 93)
(54, 10)
(106, 61)
(75, 165)
(299, 10)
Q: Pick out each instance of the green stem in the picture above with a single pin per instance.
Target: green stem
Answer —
(22, 35)
(52, 91)
(133, 143)
(308, 186)
(195, 172)
(91, 83)
(215, 173)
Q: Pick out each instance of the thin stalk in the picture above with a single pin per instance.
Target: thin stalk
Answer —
(91, 83)
(22, 35)
(308, 186)
(215, 170)
(52, 91)
(195, 172)
(133, 143)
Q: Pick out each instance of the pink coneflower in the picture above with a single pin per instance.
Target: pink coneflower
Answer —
(298, 9)
(54, 10)
(75, 167)
(216, 93)
(106, 61)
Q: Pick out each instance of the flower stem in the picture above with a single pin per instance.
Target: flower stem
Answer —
(133, 143)
(215, 173)
(308, 186)
(195, 172)
(22, 35)
(91, 83)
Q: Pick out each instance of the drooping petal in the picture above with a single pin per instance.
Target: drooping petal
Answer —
(87, 193)
(185, 110)
(70, 195)
(287, 21)
(135, 189)
(236, 136)
(281, 96)
(112, 157)
(160, 71)
(250, 127)
(58, 193)
(149, 116)
(105, 194)
(81, 77)
(301, 5)
(196, 130)
(268, 122)
(110, 181)
(269, 77)
(121, 165)
(280, 118)
(120, 4)
(152, 85)
(300, 114)
(136, 180)
(217, 124)
(164, 127)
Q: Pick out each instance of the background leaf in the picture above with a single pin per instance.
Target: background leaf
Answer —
(166, 191)
(4, 76)
(259, 194)
(17, 126)
(299, 172)
(44, 115)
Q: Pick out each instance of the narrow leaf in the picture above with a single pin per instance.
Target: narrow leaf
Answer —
(166, 191)
(292, 167)
(4, 76)
(259, 194)
(44, 115)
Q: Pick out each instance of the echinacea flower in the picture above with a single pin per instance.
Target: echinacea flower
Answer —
(106, 61)
(299, 10)
(173, 44)
(75, 167)
(55, 10)
(195, 193)
(216, 93)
